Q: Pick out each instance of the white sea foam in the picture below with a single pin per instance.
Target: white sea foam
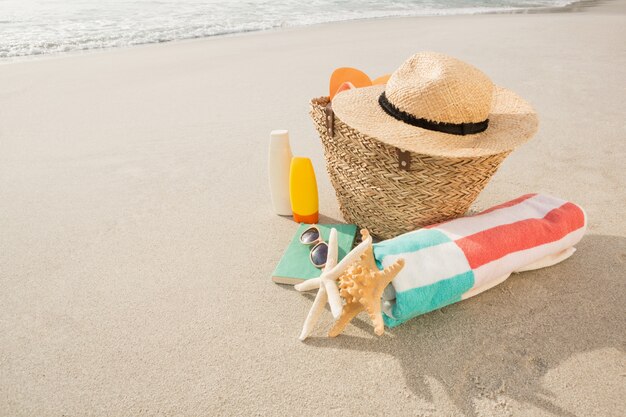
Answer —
(33, 27)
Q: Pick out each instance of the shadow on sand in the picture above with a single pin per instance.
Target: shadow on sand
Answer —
(506, 339)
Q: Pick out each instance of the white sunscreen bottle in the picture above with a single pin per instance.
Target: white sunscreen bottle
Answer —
(279, 165)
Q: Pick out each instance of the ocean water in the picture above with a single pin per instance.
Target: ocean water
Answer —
(33, 27)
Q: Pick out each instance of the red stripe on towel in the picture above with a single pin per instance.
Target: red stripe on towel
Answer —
(490, 209)
(489, 245)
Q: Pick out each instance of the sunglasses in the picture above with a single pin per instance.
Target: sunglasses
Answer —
(319, 251)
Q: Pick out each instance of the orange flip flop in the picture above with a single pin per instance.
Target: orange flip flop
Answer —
(381, 80)
(354, 76)
(345, 86)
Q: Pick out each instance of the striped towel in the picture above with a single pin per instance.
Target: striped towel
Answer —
(455, 260)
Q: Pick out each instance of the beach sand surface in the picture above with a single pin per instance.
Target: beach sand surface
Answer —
(137, 237)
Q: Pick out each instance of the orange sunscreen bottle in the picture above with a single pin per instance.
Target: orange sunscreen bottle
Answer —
(303, 191)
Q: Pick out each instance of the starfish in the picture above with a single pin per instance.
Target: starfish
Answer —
(327, 282)
(362, 287)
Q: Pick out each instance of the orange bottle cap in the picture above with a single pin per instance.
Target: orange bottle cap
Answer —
(308, 219)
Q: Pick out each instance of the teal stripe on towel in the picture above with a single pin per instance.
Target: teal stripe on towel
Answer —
(418, 301)
(409, 242)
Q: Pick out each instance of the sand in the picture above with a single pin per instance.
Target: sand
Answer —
(137, 238)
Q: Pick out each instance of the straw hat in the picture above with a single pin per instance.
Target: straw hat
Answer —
(437, 105)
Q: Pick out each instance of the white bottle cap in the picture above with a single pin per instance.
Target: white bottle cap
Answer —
(280, 134)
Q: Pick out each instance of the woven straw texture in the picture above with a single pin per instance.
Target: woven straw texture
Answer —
(375, 193)
(440, 88)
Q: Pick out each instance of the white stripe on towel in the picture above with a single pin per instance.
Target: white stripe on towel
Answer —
(427, 266)
(533, 208)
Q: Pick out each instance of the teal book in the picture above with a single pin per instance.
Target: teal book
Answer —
(295, 265)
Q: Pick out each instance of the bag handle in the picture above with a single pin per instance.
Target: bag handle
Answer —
(330, 119)
(404, 159)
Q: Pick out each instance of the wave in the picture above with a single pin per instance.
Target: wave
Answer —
(37, 27)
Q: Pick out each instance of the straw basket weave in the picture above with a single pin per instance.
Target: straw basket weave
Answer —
(390, 191)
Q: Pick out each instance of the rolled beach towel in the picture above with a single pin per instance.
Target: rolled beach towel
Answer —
(458, 259)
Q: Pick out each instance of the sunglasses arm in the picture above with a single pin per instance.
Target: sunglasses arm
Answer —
(336, 271)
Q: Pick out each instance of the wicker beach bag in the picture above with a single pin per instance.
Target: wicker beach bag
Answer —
(382, 179)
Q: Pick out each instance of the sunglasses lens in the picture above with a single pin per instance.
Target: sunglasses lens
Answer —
(309, 236)
(319, 254)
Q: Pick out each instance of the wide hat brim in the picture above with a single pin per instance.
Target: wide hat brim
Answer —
(512, 122)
